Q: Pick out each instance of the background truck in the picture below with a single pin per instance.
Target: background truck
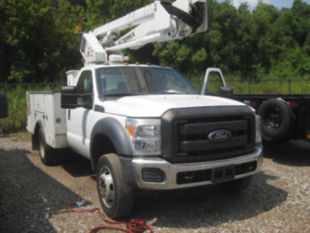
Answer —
(145, 126)
(3, 105)
(283, 117)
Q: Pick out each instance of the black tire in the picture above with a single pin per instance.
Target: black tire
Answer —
(276, 119)
(115, 196)
(236, 186)
(48, 155)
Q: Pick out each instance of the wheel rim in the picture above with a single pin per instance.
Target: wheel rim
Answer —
(106, 187)
(272, 119)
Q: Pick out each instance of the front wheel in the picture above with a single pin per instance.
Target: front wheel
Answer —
(115, 195)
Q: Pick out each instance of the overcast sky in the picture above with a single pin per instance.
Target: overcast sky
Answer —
(277, 3)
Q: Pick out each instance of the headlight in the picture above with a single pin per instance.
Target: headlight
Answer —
(258, 134)
(144, 135)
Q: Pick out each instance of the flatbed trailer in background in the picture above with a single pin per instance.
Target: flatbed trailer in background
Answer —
(283, 117)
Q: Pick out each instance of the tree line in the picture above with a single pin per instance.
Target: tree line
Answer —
(38, 42)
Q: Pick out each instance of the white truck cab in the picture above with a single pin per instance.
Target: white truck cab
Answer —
(141, 134)
(145, 126)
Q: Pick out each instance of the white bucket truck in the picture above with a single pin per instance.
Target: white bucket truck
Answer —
(145, 126)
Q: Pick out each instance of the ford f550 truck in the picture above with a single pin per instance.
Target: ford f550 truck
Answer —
(145, 126)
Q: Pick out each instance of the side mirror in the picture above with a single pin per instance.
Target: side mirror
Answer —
(3, 106)
(226, 91)
(70, 99)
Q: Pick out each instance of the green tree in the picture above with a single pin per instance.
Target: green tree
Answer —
(37, 41)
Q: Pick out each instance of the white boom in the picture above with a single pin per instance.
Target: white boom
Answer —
(157, 22)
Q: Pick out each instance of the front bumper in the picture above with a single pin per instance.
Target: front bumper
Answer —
(172, 172)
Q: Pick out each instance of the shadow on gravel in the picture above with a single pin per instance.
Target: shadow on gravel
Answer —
(293, 153)
(28, 195)
(208, 206)
(76, 165)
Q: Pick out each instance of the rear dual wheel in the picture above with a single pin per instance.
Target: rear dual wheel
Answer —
(48, 155)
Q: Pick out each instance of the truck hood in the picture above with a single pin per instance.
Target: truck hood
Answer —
(157, 105)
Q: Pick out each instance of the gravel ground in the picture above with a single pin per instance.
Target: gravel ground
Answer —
(32, 196)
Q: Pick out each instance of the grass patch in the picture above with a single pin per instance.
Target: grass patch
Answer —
(274, 86)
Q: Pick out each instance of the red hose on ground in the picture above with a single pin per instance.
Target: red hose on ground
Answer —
(133, 226)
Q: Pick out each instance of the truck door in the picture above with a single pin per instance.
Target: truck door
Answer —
(77, 119)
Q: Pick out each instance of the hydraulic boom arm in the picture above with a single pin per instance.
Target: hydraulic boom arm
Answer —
(157, 22)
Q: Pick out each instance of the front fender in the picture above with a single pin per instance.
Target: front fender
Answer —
(113, 130)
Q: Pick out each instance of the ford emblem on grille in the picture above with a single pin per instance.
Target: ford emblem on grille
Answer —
(221, 135)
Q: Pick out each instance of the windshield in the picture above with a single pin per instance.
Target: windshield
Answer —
(122, 81)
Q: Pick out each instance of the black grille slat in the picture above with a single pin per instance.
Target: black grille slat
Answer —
(222, 153)
(206, 145)
(203, 128)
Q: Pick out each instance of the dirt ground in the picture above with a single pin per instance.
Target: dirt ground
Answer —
(32, 196)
